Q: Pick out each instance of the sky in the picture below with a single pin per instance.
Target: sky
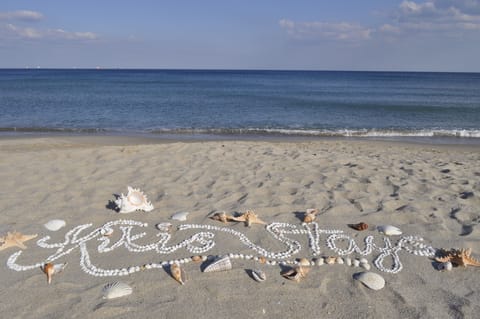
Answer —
(390, 35)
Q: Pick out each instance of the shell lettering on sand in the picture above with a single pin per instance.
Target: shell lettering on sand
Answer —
(133, 201)
(370, 279)
(116, 290)
(219, 264)
(54, 224)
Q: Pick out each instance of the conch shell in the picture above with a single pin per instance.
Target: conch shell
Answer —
(360, 226)
(133, 201)
(310, 215)
(178, 273)
(51, 269)
(296, 273)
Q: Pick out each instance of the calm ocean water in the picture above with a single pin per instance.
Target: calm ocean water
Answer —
(381, 104)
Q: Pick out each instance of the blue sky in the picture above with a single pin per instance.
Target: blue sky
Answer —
(432, 35)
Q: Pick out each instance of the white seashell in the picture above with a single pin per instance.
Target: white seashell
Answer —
(259, 275)
(164, 227)
(348, 261)
(133, 201)
(445, 266)
(116, 289)
(320, 261)
(389, 230)
(356, 263)
(106, 231)
(363, 260)
(339, 260)
(55, 224)
(181, 216)
(219, 264)
(365, 266)
(371, 280)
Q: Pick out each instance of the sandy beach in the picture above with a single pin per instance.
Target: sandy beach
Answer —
(429, 191)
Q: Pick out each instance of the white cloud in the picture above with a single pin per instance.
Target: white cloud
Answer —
(25, 15)
(10, 31)
(342, 31)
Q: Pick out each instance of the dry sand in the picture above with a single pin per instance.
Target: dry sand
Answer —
(418, 188)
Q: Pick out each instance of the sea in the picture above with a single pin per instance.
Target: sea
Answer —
(241, 103)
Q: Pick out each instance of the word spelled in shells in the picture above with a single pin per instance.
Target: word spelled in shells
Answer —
(178, 273)
(389, 230)
(51, 269)
(258, 275)
(180, 216)
(116, 290)
(370, 279)
(219, 264)
(55, 224)
(133, 201)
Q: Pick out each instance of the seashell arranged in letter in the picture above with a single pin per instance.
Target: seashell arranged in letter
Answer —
(106, 231)
(296, 273)
(133, 201)
(371, 280)
(359, 226)
(51, 269)
(116, 290)
(180, 216)
(258, 275)
(178, 273)
(389, 230)
(54, 224)
(219, 264)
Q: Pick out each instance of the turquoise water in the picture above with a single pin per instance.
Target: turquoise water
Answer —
(290, 103)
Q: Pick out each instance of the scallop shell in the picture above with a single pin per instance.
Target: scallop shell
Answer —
(133, 201)
(258, 275)
(116, 290)
(178, 273)
(52, 269)
(370, 279)
(219, 264)
(360, 226)
(55, 224)
(389, 230)
(181, 216)
(164, 227)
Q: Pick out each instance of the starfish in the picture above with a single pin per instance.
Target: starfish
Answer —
(249, 217)
(15, 239)
(459, 257)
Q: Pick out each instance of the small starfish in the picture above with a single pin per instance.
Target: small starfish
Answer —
(249, 217)
(15, 239)
(459, 257)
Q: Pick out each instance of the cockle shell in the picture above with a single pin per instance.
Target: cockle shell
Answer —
(370, 279)
(296, 273)
(178, 273)
(133, 201)
(219, 264)
(360, 226)
(116, 289)
(389, 230)
(54, 224)
(180, 216)
(258, 275)
(51, 269)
